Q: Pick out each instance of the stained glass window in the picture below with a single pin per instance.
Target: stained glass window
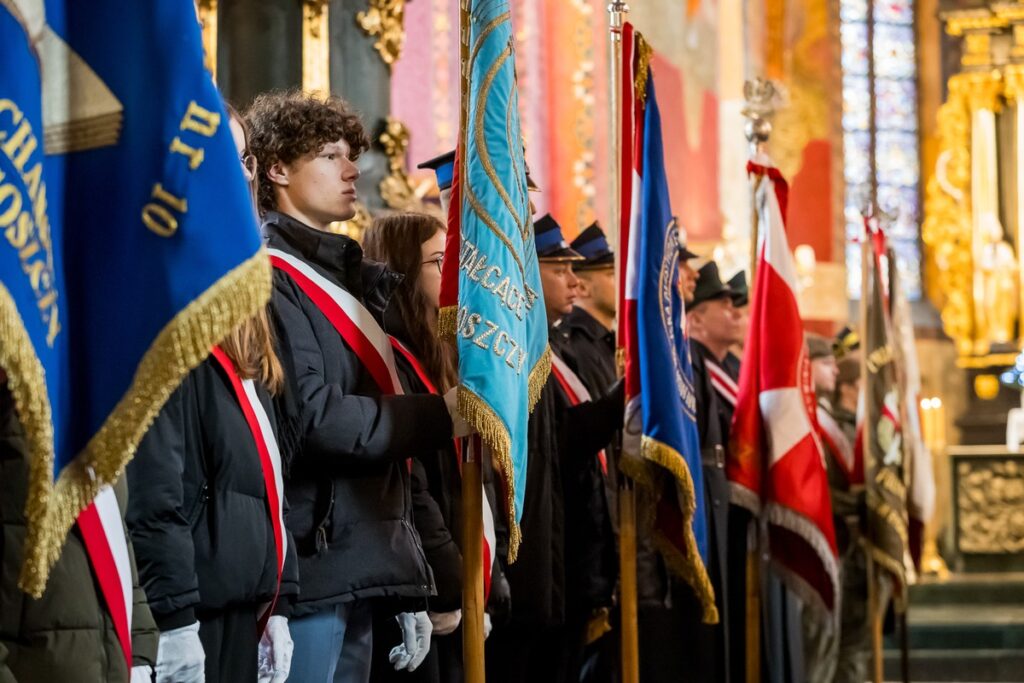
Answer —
(896, 140)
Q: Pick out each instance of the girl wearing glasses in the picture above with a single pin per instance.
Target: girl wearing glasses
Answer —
(412, 245)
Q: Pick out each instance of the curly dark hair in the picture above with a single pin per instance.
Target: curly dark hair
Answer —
(288, 125)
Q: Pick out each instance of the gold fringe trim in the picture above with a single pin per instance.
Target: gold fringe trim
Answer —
(493, 432)
(800, 525)
(447, 322)
(26, 379)
(538, 378)
(687, 565)
(184, 342)
(644, 52)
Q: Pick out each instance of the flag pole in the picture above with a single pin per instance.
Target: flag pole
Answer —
(472, 487)
(874, 618)
(759, 95)
(629, 638)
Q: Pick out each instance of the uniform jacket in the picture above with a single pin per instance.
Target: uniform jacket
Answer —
(551, 573)
(67, 634)
(198, 510)
(348, 487)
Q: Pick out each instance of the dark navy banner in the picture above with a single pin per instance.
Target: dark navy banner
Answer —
(131, 246)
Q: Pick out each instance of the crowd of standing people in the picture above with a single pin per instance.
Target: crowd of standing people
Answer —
(356, 574)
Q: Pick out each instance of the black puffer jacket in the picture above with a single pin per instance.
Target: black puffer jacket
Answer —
(67, 634)
(348, 485)
(198, 510)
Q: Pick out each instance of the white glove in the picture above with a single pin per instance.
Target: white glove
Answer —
(142, 674)
(275, 651)
(487, 625)
(416, 629)
(180, 657)
(445, 622)
(460, 427)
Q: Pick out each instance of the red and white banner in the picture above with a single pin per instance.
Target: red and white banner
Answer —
(106, 543)
(776, 466)
(270, 462)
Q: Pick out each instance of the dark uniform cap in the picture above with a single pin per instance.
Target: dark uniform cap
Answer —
(847, 341)
(593, 245)
(443, 167)
(817, 346)
(709, 285)
(551, 245)
(740, 293)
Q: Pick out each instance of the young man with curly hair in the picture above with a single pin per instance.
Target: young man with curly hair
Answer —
(348, 483)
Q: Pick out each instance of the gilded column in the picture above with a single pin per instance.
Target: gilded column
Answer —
(316, 47)
(1013, 90)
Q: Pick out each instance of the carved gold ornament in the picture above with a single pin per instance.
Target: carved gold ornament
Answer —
(990, 503)
(385, 20)
(396, 189)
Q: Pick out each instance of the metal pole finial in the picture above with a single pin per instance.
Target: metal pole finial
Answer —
(762, 97)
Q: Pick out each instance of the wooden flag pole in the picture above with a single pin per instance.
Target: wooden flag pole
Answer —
(874, 608)
(472, 569)
(629, 637)
(472, 487)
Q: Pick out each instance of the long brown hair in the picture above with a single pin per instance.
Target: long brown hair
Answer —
(396, 241)
(250, 346)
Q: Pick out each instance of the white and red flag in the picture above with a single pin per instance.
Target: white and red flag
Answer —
(776, 466)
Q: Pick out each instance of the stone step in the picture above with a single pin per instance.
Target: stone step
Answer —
(970, 589)
(961, 666)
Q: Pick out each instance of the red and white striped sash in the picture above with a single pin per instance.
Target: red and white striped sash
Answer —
(576, 392)
(473, 448)
(724, 384)
(349, 316)
(270, 462)
(834, 437)
(107, 546)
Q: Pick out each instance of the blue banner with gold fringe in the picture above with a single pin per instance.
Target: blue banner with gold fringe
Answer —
(130, 241)
(499, 322)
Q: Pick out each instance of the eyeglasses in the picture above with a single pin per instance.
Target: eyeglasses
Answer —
(248, 165)
(439, 262)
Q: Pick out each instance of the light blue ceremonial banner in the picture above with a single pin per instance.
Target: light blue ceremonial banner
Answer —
(501, 324)
(130, 242)
(670, 437)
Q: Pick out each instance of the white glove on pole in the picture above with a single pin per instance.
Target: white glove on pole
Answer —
(142, 674)
(487, 625)
(180, 657)
(445, 622)
(275, 651)
(460, 427)
(415, 646)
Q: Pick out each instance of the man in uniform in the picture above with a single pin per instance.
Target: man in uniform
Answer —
(669, 613)
(587, 345)
(554, 585)
(741, 302)
(714, 327)
(837, 415)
